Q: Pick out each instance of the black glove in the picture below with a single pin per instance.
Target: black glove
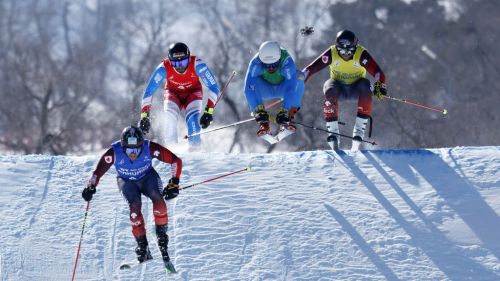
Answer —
(379, 90)
(207, 117)
(145, 123)
(172, 189)
(88, 192)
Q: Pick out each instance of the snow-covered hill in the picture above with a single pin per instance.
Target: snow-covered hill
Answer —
(374, 215)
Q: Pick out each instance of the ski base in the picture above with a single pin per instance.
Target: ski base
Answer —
(269, 138)
(282, 134)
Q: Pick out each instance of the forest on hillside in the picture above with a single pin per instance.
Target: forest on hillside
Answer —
(72, 73)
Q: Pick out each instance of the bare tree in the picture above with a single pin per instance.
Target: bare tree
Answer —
(49, 79)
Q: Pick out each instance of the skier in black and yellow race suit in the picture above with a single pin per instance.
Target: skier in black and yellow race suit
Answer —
(348, 63)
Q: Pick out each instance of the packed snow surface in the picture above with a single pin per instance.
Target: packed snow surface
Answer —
(316, 215)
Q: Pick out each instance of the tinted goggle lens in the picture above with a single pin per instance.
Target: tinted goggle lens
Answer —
(272, 65)
(135, 151)
(180, 63)
(346, 50)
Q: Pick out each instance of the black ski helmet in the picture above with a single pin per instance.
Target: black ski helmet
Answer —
(178, 51)
(132, 137)
(346, 39)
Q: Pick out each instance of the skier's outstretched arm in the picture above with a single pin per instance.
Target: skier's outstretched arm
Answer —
(154, 83)
(253, 72)
(324, 60)
(368, 62)
(208, 78)
(106, 161)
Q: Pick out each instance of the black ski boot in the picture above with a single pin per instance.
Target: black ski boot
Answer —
(162, 238)
(142, 249)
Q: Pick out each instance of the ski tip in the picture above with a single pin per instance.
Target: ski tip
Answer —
(169, 267)
(124, 266)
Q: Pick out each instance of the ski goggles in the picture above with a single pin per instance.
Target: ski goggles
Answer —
(346, 51)
(130, 151)
(180, 63)
(272, 66)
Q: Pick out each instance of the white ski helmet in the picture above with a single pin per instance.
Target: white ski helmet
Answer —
(269, 52)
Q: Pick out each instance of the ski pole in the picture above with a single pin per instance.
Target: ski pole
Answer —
(81, 236)
(230, 125)
(225, 87)
(216, 178)
(219, 128)
(323, 130)
(441, 110)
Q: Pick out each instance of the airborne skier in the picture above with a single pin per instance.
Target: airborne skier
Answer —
(183, 91)
(348, 63)
(272, 74)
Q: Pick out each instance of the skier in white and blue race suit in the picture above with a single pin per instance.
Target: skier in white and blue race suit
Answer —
(272, 74)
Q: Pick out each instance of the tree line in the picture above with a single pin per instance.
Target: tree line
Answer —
(72, 73)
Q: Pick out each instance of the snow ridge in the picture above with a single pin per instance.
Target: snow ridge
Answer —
(316, 215)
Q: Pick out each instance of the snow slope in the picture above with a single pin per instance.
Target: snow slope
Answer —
(371, 215)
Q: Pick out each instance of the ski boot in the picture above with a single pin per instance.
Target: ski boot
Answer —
(142, 249)
(264, 129)
(333, 140)
(162, 239)
(359, 131)
(262, 117)
(283, 118)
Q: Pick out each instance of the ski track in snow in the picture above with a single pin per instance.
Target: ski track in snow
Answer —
(316, 215)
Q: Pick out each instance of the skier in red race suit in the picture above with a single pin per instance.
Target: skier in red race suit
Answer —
(348, 63)
(183, 91)
(132, 157)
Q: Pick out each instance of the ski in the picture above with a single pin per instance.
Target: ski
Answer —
(169, 266)
(283, 133)
(269, 138)
(134, 263)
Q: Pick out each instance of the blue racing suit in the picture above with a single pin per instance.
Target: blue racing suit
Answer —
(287, 84)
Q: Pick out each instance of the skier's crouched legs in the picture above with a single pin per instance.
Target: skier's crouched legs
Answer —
(150, 186)
(131, 193)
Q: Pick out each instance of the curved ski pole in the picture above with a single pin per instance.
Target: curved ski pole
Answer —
(215, 178)
(333, 133)
(440, 110)
(225, 87)
(80, 243)
(230, 125)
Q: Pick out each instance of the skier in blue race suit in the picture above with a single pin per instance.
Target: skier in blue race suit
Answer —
(132, 157)
(272, 74)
